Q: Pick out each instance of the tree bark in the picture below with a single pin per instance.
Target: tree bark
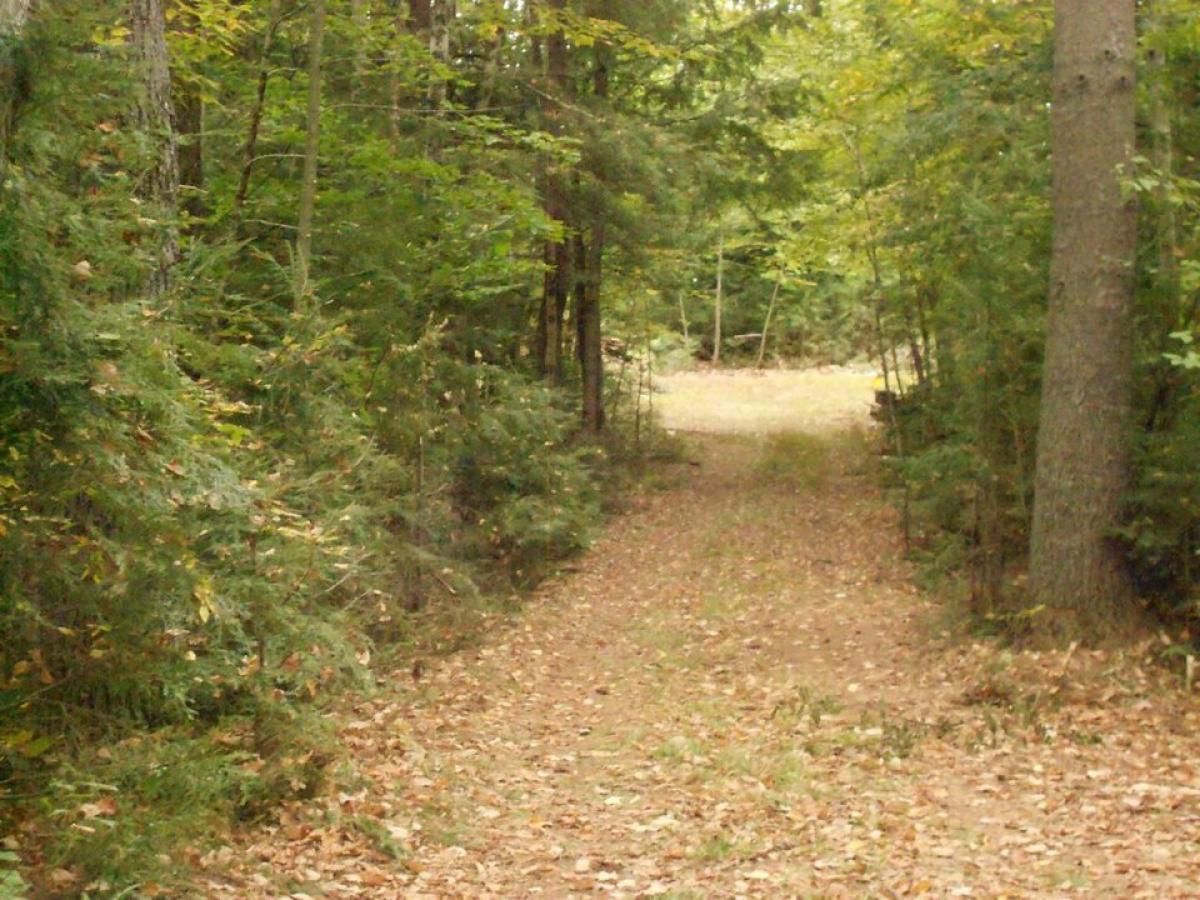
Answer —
(308, 184)
(420, 16)
(189, 112)
(591, 354)
(718, 301)
(13, 69)
(250, 148)
(444, 12)
(154, 115)
(766, 332)
(557, 282)
(13, 15)
(1083, 454)
(590, 327)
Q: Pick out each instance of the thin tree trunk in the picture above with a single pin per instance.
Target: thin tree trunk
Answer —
(1162, 155)
(876, 269)
(491, 71)
(590, 350)
(762, 344)
(683, 320)
(250, 149)
(580, 300)
(359, 18)
(881, 346)
(590, 326)
(718, 301)
(914, 348)
(444, 14)
(308, 184)
(1083, 452)
(557, 283)
(13, 70)
(924, 293)
(154, 115)
(190, 116)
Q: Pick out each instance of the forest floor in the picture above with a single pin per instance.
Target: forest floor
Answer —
(739, 692)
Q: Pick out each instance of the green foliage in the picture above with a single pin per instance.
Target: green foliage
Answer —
(799, 461)
(520, 485)
(214, 506)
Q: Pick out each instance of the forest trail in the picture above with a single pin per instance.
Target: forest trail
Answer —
(739, 692)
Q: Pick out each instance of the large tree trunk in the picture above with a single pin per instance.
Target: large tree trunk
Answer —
(308, 184)
(154, 116)
(1083, 454)
(420, 16)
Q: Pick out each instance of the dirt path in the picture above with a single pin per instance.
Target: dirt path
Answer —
(738, 693)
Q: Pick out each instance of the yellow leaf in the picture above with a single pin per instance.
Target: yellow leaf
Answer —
(205, 605)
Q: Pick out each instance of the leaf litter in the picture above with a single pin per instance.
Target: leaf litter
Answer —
(737, 693)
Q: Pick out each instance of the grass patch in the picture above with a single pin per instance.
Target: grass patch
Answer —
(663, 639)
(721, 848)
(376, 832)
(725, 604)
(140, 812)
(679, 749)
(805, 704)
(802, 462)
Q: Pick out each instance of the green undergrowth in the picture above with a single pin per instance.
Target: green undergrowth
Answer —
(795, 460)
(118, 766)
(807, 462)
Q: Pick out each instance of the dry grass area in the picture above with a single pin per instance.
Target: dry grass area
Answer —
(744, 401)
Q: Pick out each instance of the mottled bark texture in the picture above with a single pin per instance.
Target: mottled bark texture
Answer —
(13, 14)
(189, 116)
(14, 72)
(1083, 456)
(420, 15)
(154, 117)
